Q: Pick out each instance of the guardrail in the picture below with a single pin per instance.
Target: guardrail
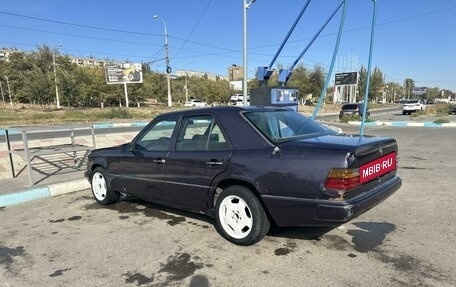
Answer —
(28, 153)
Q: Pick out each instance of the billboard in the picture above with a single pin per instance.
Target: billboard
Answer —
(123, 73)
(350, 78)
(419, 91)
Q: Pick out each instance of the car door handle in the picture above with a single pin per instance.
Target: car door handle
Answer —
(214, 162)
(159, 160)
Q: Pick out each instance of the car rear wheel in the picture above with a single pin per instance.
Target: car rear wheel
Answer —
(100, 188)
(240, 217)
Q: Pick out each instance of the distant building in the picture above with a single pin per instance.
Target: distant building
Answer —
(6, 53)
(88, 62)
(236, 85)
(235, 73)
(209, 76)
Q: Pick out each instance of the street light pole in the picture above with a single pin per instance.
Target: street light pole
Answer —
(55, 77)
(168, 68)
(3, 96)
(186, 86)
(9, 92)
(186, 83)
(244, 82)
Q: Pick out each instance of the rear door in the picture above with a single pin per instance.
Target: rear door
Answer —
(202, 151)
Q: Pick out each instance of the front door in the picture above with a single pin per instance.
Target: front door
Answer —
(143, 167)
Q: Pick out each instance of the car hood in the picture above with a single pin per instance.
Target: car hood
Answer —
(108, 150)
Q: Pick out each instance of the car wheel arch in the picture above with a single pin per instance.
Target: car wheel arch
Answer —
(101, 188)
(230, 182)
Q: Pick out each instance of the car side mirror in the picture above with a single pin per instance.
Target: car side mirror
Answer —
(130, 146)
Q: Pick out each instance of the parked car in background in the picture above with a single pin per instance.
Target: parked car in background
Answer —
(248, 167)
(353, 109)
(412, 106)
(452, 109)
(195, 103)
(238, 100)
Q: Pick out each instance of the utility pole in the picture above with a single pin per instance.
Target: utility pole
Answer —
(55, 77)
(9, 92)
(3, 96)
(245, 6)
(168, 68)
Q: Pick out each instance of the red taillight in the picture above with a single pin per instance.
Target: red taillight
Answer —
(343, 179)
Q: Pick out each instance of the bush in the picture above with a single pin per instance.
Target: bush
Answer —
(441, 121)
(418, 113)
(117, 113)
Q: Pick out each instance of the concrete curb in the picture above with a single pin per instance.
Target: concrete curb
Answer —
(119, 125)
(34, 193)
(406, 124)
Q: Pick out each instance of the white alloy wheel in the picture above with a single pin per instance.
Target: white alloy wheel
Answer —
(99, 186)
(235, 217)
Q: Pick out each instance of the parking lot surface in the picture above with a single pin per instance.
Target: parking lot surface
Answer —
(408, 240)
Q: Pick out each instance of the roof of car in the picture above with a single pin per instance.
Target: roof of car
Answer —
(350, 106)
(221, 109)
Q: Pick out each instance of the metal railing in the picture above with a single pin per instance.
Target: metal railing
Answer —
(28, 153)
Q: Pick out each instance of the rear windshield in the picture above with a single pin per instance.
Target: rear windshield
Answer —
(350, 107)
(281, 125)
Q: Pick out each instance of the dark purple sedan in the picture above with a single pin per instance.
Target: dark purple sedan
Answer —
(248, 167)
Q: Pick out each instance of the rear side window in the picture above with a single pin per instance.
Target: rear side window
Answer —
(200, 133)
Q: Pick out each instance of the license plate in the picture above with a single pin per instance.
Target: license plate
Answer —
(378, 167)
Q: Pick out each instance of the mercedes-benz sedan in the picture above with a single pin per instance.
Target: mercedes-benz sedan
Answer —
(248, 167)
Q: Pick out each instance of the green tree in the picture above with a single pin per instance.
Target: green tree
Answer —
(316, 81)
(409, 84)
(376, 86)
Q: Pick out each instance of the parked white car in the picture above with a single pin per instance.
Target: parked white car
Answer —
(195, 103)
(238, 100)
(412, 106)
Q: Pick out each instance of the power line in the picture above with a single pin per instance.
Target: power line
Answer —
(194, 28)
(79, 36)
(111, 30)
(368, 27)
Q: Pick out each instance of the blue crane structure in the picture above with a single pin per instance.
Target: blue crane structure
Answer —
(284, 96)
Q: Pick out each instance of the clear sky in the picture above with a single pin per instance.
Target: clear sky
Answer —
(414, 38)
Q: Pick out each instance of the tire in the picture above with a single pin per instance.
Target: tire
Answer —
(100, 188)
(404, 113)
(240, 217)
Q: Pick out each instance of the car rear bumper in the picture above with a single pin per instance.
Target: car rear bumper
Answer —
(289, 211)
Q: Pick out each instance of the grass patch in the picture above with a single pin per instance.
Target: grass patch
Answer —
(353, 118)
(419, 113)
(117, 113)
(438, 109)
(33, 114)
(441, 121)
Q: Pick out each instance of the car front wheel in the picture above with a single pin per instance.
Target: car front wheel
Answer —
(100, 188)
(240, 217)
